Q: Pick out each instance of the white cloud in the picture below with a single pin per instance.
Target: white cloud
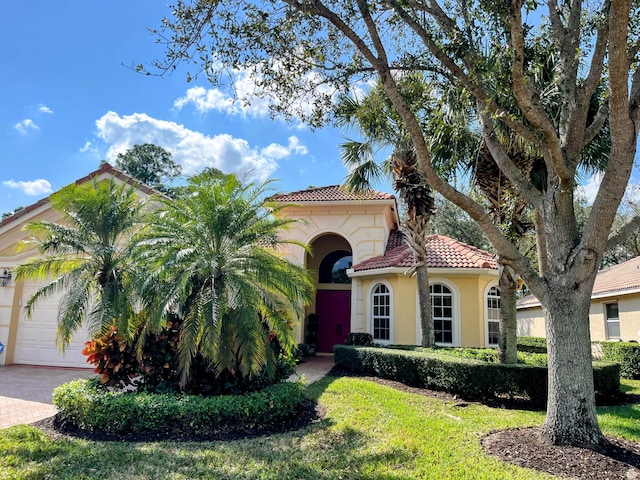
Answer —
(250, 100)
(192, 150)
(247, 103)
(26, 125)
(34, 187)
(44, 109)
(590, 189)
(278, 151)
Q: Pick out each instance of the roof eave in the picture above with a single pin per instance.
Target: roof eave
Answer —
(374, 272)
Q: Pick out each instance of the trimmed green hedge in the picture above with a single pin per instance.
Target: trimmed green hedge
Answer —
(627, 354)
(472, 379)
(532, 344)
(84, 404)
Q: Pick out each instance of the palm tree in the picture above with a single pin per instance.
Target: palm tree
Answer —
(88, 255)
(383, 130)
(212, 260)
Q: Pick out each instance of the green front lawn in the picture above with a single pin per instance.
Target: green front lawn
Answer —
(370, 432)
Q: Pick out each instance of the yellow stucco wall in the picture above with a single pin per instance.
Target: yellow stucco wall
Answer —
(468, 305)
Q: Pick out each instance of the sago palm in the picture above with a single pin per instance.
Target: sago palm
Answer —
(86, 257)
(212, 260)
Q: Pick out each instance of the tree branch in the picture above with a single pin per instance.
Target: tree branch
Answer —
(526, 98)
(623, 133)
(597, 124)
(506, 165)
(477, 91)
(623, 234)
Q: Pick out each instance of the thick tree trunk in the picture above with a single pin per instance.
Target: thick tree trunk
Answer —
(571, 412)
(507, 343)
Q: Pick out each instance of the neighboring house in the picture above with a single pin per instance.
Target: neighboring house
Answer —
(360, 263)
(358, 259)
(615, 306)
(33, 341)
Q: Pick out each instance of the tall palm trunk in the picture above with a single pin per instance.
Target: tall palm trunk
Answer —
(420, 203)
(507, 343)
(415, 231)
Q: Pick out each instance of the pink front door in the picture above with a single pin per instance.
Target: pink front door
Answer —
(333, 308)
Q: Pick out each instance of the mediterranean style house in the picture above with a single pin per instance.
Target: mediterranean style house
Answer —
(360, 263)
(615, 306)
(358, 259)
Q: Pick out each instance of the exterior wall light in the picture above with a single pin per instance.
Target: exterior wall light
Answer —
(5, 277)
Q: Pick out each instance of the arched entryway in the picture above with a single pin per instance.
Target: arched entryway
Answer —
(329, 318)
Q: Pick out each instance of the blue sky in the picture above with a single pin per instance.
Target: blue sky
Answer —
(68, 100)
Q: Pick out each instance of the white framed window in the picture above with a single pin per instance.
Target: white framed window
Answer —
(612, 317)
(492, 316)
(381, 313)
(442, 311)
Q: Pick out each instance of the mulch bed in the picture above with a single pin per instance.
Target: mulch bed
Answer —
(523, 446)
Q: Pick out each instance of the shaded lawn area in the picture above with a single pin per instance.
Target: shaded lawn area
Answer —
(370, 431)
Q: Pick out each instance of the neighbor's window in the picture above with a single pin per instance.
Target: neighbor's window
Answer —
(442, 310)
(381, 305)
(613, 321)
(493, 316)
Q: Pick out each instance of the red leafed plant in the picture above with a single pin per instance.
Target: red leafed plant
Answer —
(113, 359)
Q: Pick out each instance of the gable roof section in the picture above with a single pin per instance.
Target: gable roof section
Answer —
(443, 252)
(105, 168)
(620, 279)
(332, 193)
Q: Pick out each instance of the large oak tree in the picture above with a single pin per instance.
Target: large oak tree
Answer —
(302, 51)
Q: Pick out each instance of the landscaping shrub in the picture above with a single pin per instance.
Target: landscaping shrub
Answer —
(472, 379)
(483, 354)
(112, 358)
(627, 354)
(88, 405)
(155, 370)
(532, 344)
(359, 338)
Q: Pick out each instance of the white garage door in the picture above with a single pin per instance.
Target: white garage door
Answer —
(36, 336)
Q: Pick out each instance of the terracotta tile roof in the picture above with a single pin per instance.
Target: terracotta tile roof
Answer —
(395, 239)
(443, 252)
(332, 193)
(618, 279)
(104, 168)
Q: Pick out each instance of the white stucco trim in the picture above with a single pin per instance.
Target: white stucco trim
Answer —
(370, 310)
(456, 307)
(485, 309)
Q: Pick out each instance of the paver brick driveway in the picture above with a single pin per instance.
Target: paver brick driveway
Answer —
(25, 391)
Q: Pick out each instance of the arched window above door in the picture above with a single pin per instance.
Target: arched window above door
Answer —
(333, 268)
